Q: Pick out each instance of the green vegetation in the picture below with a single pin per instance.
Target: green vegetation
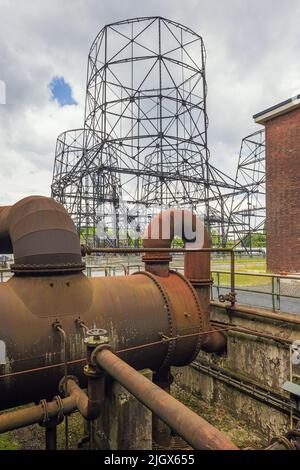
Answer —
(8, 442)
(242, 265)
(236, 430)
(32, 437)
(256, 240)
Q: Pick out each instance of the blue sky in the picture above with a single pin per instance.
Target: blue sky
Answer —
(61, 91)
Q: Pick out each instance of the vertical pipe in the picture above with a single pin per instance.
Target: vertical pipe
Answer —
(273, 294)
(232, 273)
(161, 432)
(278, 293)
(51, 437)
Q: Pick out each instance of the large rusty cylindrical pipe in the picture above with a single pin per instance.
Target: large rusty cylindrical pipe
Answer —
(191, 427)
(41, 235)
(139, 312)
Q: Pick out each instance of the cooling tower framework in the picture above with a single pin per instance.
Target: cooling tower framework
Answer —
(143, 146)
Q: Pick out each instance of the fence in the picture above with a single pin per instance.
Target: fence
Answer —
(124, 268)
(276, 286)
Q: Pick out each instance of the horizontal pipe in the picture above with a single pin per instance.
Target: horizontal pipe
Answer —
(245, 386)
(268, 275)
(88, 250)
(258, 312)
(191, 427)
(247, 331)
(35, 414)
(215, 342)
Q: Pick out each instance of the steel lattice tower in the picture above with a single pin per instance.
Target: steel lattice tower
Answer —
(144, 141)
(248, 209)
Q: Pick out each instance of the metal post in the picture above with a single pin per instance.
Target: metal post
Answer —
(278, 293)
(51, 437)
(232, 275)
(218, 283)
(273, 294)
(161, 432)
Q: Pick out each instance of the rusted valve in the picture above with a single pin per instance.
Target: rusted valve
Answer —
(230, 297)
(96, 336)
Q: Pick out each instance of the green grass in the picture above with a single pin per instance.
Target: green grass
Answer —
(8, 442)
(244, 265)
(33, 437)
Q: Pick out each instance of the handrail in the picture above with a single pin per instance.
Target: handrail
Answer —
(275, 287)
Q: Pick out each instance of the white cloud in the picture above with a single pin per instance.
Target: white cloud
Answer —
(253, 50)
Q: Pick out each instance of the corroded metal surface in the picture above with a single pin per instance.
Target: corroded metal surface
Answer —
(41, 235)
(133, 309)
(191, 427)
(196, 266)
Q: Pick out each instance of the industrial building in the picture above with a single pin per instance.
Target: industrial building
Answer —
(282, 128)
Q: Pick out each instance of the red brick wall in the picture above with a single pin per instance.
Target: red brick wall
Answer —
(283, 192)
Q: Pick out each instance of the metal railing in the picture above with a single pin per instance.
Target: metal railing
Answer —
(276, 286)
(125, 268)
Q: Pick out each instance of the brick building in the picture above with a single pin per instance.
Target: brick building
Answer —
(282, 125)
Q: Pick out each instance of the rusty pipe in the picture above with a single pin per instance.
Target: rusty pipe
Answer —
(191, 427)
(89, 406)
(161, 432)
(161, 231)
(135, 310)
(35, 414)
(159, 234)
(41, 235)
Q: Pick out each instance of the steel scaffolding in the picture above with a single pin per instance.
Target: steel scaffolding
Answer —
(143, 146)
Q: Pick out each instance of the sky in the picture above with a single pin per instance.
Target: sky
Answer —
(253, 62)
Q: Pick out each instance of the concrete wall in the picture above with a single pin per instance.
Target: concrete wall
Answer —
(253, 368)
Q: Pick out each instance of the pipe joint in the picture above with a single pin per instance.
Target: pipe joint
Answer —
(89, 406)
(49, 421)
(41, 235)
(95, 352)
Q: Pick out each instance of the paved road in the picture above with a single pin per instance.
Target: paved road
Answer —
(263, 300)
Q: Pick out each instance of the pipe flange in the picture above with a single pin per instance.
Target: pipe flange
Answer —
(51, 422)
(63, 384)
(45, 268)
(199, 311)
(201, 282)
(171, 320)
(60, 415)
(46, 420)
(94, 353)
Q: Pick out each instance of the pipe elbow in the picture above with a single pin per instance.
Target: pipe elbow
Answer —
(215, 342)
(162, 230)
(89, 408)
(41, 235)
(183, 223)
